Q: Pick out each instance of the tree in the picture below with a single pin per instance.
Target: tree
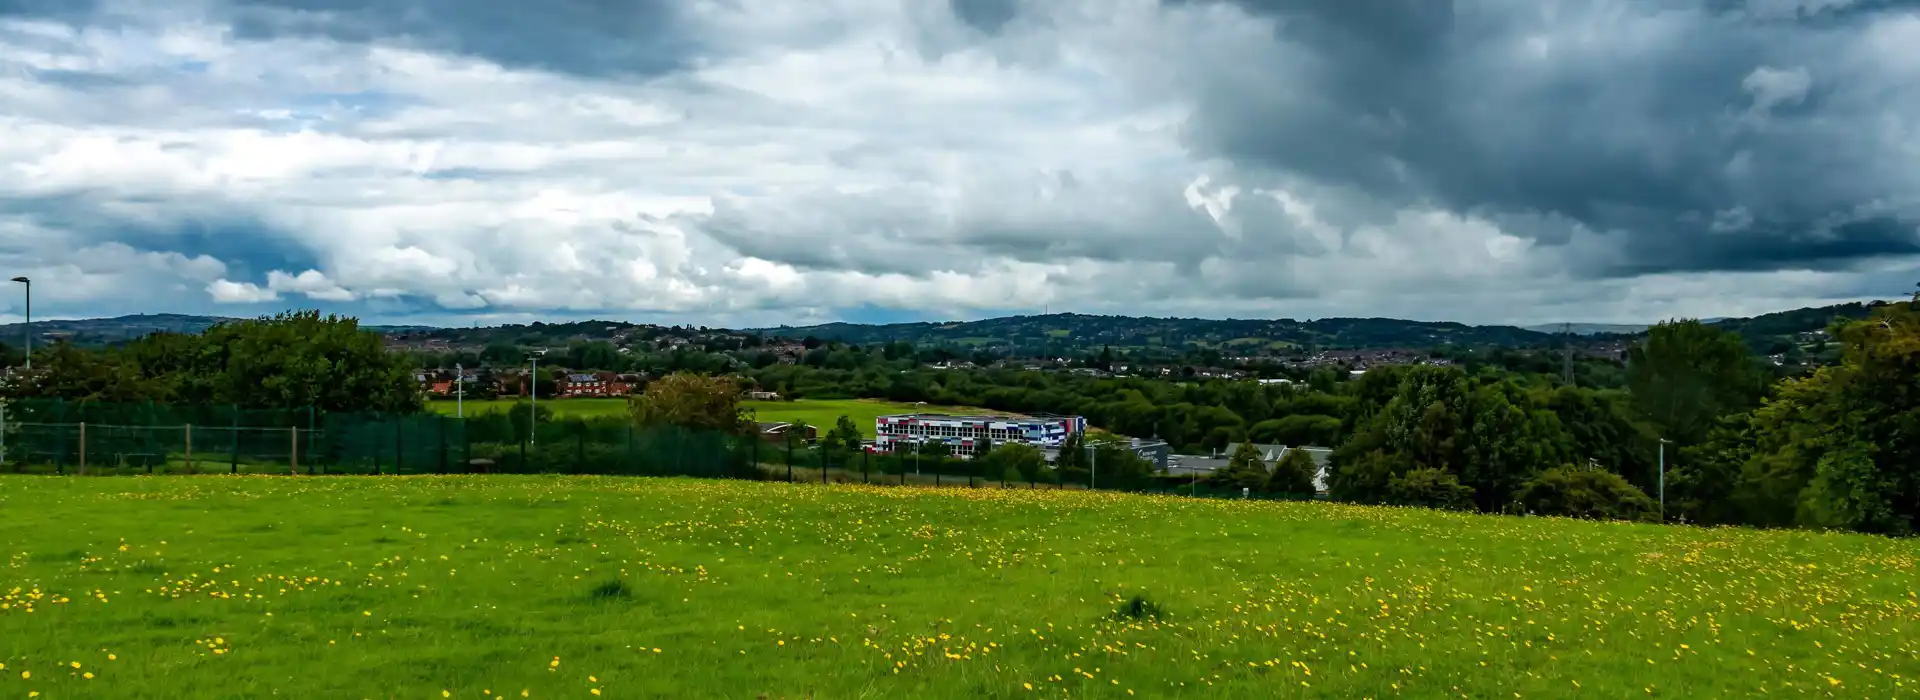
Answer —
(1840, 448)
(1585, 492)
(1071, 460)
(1293, 474)
(692, 402)
(1244, 470)
(525, 416)
(1013, 461)
(845, 437)
(796, 434)
(1430, 488)
(1688, 374)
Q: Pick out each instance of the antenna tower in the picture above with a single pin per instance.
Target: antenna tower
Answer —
(1566, 357)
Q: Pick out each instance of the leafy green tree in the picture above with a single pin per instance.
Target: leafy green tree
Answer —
(1293, 474)
(1585, 492)
(692, 402)
(796, 434)
(1431, 488)
(1687, 374)
(1071, 460)
(1244, 470)
(845, 437)
(525, 415)
(1489, 437)
(1017, 461)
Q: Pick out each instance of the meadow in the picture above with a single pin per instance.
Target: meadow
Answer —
(488, 587)
(820, 413)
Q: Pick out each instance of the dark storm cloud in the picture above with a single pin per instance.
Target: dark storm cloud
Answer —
(246, 244)
(1645, 119)
(587, 37)
(986, 15)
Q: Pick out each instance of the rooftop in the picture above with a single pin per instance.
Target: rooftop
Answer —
(957, 416)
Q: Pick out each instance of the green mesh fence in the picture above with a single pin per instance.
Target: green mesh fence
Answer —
(59, 437)
(72, 438)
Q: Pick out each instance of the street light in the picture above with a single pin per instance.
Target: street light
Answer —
(26, 328)
(1663, 479)
(533, 394)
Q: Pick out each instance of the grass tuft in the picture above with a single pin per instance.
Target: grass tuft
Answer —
(1139, 607)
(611, 589)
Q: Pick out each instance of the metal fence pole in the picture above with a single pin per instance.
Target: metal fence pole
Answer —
(293, 468)
(83, 448)
(864, 454)
(233, 452)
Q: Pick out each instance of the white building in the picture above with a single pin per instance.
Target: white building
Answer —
(964, 433)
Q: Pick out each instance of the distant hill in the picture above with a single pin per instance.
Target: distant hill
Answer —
(1766, 333)
(1591, 328)
(1070, 331)
(103, 331)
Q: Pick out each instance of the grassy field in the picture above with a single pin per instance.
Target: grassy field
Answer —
(483, 587)
(560, 407)
(820, 413)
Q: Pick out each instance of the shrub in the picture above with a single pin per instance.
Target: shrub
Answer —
(1585, 493)
(1432, 488)
(1293, 474)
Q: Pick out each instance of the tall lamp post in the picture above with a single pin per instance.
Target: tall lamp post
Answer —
(1663, 479)
(26, 329)
(533, 394)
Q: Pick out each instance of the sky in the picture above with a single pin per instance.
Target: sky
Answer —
(761, 162)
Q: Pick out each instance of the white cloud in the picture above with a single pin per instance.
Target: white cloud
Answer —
(815, 157)
(226, 291)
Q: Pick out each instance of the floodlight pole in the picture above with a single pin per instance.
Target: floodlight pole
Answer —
(533, 394)
(26, 328)
(1663, 479)
(1093, 466)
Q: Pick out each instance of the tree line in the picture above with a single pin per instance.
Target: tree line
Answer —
(1833, 448)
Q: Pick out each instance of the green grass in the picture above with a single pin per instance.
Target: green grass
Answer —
(348, 587)
(820, 413)
(588, 408)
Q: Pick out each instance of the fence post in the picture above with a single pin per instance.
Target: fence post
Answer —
(83, 448)
(789, 438)
(233, 452)
(399, 447)
(293, 468)
(442, 421)
(190, 468)
(864, 454)
(310, 434)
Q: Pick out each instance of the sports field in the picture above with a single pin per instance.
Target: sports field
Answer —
(819, 413)
(484, 587)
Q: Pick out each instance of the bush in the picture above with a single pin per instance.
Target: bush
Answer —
(1585, 493)
(1293, 474)
(1431, 488)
